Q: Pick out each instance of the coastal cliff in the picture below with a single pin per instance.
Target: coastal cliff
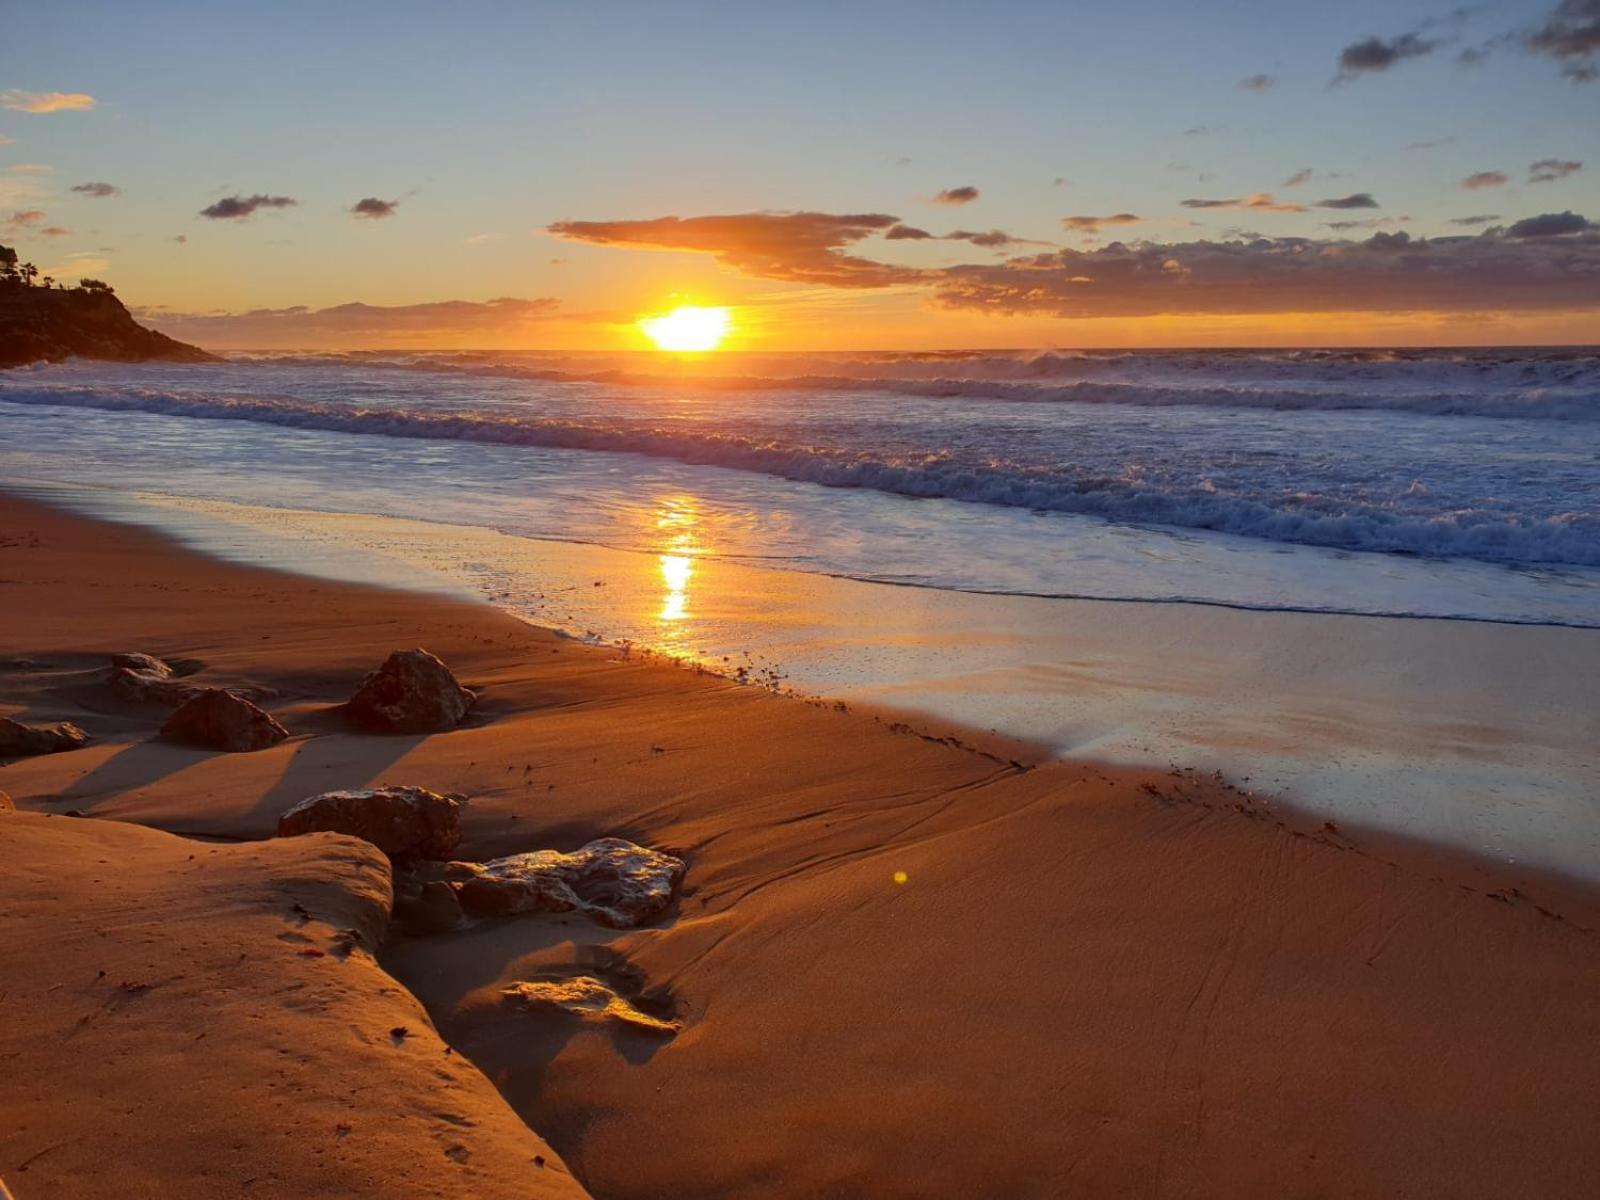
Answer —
(47, 324)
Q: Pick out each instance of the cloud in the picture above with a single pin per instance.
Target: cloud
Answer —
(1258, 83)
(356, 324)
(994, 239)
(7, 141)
(98, 190)
(18, 100)
(1485, 179)
(1086, 224)
(1571, 36)
(1354, 200)
(237, 208)
(1552, 265)
(1379, 54)
(957, 195)
(1551, 225)
(30, 169)
(1197, 131)
(1480, 219)
(800, 247)
(482, 239)
(1431, 145)
(24, 219)
(54, 231)
(1548, 170)
(373, 209)
(902, 233)
(1260, 201)
(1303, 175)
(182, 239)
(1364, 223)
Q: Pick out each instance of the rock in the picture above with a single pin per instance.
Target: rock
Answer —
(5, 803)
(413, 692)
(434, 909)
(145, 679)
(586, 996)
(223, 720)
(612, 880)
(403, 822)
(18, 740)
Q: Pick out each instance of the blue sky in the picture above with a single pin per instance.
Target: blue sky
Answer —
(487, 122)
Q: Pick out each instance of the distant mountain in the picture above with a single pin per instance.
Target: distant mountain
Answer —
(47, 324)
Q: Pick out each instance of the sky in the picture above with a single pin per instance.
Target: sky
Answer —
(845, 176)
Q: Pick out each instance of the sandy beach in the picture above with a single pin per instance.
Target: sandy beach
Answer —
(899, 965)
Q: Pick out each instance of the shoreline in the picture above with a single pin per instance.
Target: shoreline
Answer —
(1151, 979)
(1473, 735)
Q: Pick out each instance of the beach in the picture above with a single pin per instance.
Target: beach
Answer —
(905, 959)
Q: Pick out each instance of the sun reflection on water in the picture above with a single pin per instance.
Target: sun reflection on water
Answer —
(676, 518)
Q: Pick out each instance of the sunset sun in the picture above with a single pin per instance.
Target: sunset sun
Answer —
(687, 329)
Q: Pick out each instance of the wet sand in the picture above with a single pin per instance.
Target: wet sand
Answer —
(902, 966)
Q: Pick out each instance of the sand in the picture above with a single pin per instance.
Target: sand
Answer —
(900, 966)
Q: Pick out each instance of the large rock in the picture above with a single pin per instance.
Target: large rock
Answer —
(223, 720)
(413, 692)
(403, 822)
(145, 679)
(18, 740)
(612, 880)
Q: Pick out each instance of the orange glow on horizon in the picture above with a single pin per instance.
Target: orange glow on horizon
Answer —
(688, 329)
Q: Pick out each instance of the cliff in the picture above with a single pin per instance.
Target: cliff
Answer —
(40, 324)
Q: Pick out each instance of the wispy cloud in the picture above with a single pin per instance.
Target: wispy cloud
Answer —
(1259, 201)
(1479, 180)
(1571, 36)
(97, 190)
(801, 247)
(237, 208)
(18, 100)
(1548, 170)
(1354, 200)
(957, 195)
(30, 169)
(1480, 219)
(24, 219)
(1258, 83)
(1379, 54)
(373, 209)
(1303, 175)
(357, 324)
(1088, 224)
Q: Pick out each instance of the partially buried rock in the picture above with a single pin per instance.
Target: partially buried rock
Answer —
(612, 880)
(145, 679)
(18, 740)
(585, 996)
(403, 822)
(5, 803)
(223, 720)
(413, 692)
(434, 908)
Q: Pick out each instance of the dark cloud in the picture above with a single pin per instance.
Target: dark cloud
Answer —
(957, 195)
(1086, 224)
(373, 209)
(1571, 36)
(1548, 170)
(1364, 223)
(1551, 225)
(355, 324)
(1354, 200)
(1260, 201)
(1258, 83)
(994, 239)
(98, 190)
(1485, 179)
(803, 247)
(1197, 131)
(1379, 54)
(236, 208)
(904, 233)
(1386, 272)
(1303, 175)
(1480, 219)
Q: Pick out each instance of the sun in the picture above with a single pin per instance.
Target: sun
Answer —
(688, 328)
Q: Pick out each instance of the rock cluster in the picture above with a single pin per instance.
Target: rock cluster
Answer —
(403, 822)
(612, 880)
(223, 720)
(413, 692)
(19, 741)
(145, 679)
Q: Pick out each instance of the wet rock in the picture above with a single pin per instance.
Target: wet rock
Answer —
(413, 692)
(223, 720)
(403, 822)
(612, 880)
(585, 996)
(19, 741)
(145, 679)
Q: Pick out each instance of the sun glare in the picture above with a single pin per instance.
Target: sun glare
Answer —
(687, 329)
